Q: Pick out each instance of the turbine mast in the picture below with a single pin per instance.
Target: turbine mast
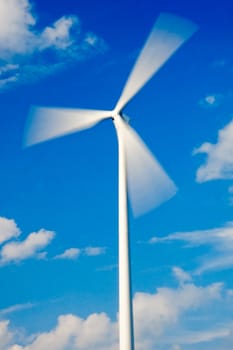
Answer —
(126, 334)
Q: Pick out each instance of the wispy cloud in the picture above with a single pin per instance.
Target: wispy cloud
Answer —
(16, 308)
(28, 54)
(94, 251)
(189, 337)
(220, 63)
(28, 248)
(215, 262)
(219, 160)
(211, 100)
(230, 191)
(107, 267)
(8, 229)
(220, 239)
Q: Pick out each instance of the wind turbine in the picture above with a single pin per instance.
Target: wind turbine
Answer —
(140, 175)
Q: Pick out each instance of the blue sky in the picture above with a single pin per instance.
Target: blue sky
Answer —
(58, 204)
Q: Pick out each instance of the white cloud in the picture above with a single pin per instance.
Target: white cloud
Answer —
(156, 312)
(28, 54)
(74, 253)
(58, 35)
(18, 251)
(5, 335)
(219, 162)
(181, 275)
(32, 246)
(8, 229)
(94, 251)
(16, 22)
(159, 323)
(220, 239)
(96, 332)
(70, 254)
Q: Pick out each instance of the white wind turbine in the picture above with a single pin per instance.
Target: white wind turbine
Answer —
(140, 174)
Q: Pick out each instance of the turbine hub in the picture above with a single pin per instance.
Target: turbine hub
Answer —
(121, 115)
(125, 117)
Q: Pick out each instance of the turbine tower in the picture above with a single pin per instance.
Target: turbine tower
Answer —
(140, 175)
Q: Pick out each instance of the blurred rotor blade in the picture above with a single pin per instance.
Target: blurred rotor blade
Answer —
(167, 35)
(47, 123)
(148, 183)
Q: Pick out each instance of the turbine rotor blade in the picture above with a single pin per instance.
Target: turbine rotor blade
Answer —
(167, 35)
(148, 184)
(48, 123)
